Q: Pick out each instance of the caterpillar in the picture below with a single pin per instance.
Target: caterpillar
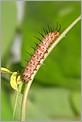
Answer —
(39, 53)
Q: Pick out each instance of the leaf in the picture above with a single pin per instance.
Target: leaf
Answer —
(18, 106)
(51, 104)
(9, 21)
(13, 80)
(76, 102)
(62, 67)
(4, 70)
(6, 111)
(46, 104)
(33, 111)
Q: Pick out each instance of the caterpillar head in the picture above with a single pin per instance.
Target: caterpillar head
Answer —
(56, 33)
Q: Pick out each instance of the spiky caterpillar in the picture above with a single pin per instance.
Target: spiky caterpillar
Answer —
(39, 53)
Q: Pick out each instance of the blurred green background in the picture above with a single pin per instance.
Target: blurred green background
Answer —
(55, 92)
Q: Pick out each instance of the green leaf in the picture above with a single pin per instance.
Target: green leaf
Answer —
(45, 104)
(6, 111)
(18, 105)
(8, 19)
(76, 102)
(49, 104)
(62, 67)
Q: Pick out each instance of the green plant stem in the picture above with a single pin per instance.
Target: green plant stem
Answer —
(28, 85)
(14, 111)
